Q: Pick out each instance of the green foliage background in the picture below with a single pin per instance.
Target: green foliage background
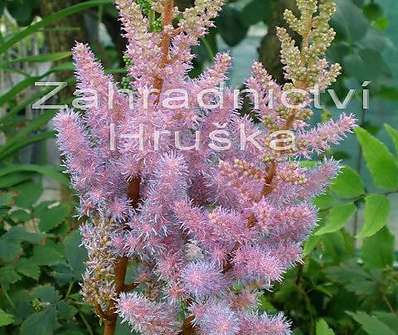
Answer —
(348, 282)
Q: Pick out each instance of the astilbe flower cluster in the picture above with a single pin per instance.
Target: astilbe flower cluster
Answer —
(205, 229)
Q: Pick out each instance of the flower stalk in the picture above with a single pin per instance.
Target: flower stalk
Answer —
(208, 228)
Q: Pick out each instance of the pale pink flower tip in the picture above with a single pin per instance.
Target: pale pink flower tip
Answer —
(203, 279)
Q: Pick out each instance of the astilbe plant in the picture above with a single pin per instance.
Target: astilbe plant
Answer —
(206, 229)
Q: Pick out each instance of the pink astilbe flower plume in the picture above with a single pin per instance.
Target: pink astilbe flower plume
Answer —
(252, 324)
(216, 318)
(203, 279)
(147, 317)
(207, 206)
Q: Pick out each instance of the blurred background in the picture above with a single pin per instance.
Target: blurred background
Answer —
(349, 281)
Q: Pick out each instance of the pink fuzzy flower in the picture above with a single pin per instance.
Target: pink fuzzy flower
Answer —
(216, 318)
(252, 324)
(203, 279)
(147, 317)
(256, 264)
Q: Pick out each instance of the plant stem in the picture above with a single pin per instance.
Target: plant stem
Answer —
(121, 266)
(134, 185)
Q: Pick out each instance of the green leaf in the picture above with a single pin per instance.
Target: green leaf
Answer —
(8, 275)
(325, 201)
(28, 194)
(27, 268)
(348, 184)
(22, 11)
(45, 170)
(13, 179)
(75, 254)
(255, 11)
(371, 324)
(19, 234)
(9, 250)
(377, 212)
(42, 58)
(42, 323)
(231, 28)
(373, 11)
(66, 311)
(20, 215)
(337, 247)
(357, 65)
(380, 162)
(337, 218)
(15, 147)
(17, 37)
(311, 244)
(350, 21)
(389, 319)
(6, 319)
(353, 278)
(46, 255)
(23, 133)
(51, 215)
(14, 90)
(46, 293)
(393, 134)
(322, 328)
(378, 250)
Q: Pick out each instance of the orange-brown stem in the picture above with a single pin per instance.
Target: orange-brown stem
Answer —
(188, 328)
(110, 316)
(120, 274)
(166, 40)
(133, 190)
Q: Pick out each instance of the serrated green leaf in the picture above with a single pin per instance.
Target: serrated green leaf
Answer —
(47, 254)
(337, 218)
(8, 275)
(20, 215)
(51, 216)
(66, 311)
(9, 250)
(348, 184)
(46, 293)
(379, 160)
(27, 268)
(42, 323)
(393, 133)
(370, 324)
(378, 250)
(5, 318)
(336, 247)
(75, 254)
(353, 278)
(19, 234)
(322, 328)
(377, 212)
